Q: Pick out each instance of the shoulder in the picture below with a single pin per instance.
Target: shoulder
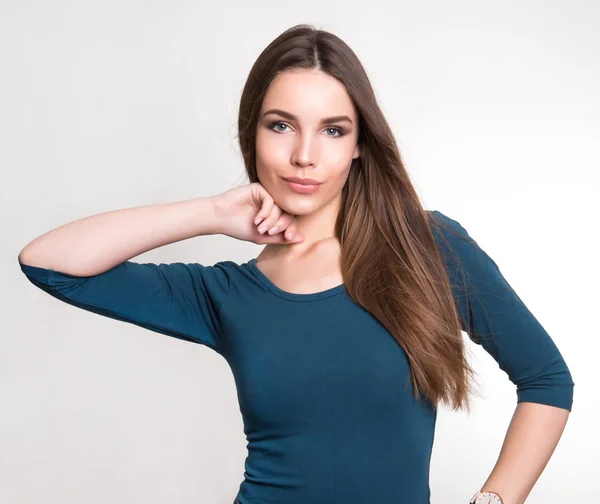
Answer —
(457, 246)
(448, 232)
(442, 222)
(216, 277)
(222, 269)
(229, 272)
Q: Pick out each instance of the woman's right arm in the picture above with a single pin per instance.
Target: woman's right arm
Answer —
(95, 244)
(86, 264)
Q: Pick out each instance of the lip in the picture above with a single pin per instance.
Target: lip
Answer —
(302, 188)
(302, 181)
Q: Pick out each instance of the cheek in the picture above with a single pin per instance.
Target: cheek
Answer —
(339, 154)
(269, 146)
(270, 158)
(337, 159)
(339, 179)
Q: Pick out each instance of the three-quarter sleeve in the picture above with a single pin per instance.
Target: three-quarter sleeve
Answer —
(494, 316)
(179, 300)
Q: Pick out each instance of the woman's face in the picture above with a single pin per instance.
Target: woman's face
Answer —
(307, 145)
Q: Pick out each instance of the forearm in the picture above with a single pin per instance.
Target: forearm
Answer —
(97, 243)
(532, 436)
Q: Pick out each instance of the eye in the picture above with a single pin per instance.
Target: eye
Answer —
(276, 124)
(340, 131)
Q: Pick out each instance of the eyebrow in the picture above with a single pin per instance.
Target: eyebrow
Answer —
(292, 117)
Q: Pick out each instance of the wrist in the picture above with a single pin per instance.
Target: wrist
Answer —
(486, 497)
(203, 215)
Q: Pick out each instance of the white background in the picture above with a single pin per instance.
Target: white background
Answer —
(113, 104)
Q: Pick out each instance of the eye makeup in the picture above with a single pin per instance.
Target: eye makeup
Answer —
(340, 131)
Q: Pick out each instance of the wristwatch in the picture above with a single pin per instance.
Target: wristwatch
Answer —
(485, 498)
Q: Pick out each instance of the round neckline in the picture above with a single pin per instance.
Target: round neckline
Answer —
(292, 296)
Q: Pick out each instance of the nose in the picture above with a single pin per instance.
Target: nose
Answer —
(305, 154)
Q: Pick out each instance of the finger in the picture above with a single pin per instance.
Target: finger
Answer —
(280, 238)
(290, 231)
(282, 223)
(291, 234)
(297, 237)
(267, 206)
(270, 221)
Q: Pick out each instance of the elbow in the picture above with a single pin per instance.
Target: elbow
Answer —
(22, 257)
(554, 387)
(27, 256)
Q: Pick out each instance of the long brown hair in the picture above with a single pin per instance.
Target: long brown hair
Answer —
(389, 259)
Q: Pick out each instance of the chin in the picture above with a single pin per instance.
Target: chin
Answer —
(296, 204)
(290, 206)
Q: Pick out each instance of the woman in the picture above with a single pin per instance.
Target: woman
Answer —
(344, 334)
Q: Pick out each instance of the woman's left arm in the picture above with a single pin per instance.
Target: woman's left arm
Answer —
(532, 436)
(494, 316)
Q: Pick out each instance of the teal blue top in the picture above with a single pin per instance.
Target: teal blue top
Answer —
(321, 384)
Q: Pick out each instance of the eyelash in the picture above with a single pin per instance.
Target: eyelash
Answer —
(340, 131)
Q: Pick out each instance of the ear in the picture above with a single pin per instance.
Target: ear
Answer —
(356, 152)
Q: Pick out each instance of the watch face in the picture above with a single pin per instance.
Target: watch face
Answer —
(489, 498)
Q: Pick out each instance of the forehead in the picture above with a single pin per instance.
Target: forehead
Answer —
(308, 94)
